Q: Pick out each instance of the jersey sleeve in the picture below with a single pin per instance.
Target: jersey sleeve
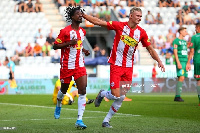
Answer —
(113, 25)
(145, 40)
(192, 42)
(175, 44)
(61, 37)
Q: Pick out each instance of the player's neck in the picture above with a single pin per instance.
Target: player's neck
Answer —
(180, 37)
(132, 25)
(75, 26)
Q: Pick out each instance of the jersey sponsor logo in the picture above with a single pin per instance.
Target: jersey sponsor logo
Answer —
(79, 42)
(128, 40)
(58, 40)
(110, 22)
(198, 51)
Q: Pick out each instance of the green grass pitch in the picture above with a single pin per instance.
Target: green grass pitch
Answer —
(147, 113)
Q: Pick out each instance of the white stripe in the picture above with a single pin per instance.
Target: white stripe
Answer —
(129, 57)
(37, 106)
(81, 63)
(72, 58)
(120, 47)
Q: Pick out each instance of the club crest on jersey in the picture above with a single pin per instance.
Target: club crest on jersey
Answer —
(112, 84)
(58, 40)
(128, 40)
(110, 22)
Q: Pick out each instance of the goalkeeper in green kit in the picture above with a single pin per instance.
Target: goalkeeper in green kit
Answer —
(195, 50)
(181, 57)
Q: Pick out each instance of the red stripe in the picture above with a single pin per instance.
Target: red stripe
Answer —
(113, 109)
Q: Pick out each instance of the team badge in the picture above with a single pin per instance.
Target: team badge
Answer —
(112, 84)
(110, 22)
(58, 40)
(148, 40)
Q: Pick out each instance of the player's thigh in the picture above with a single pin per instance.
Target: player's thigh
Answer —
(197, 71)
(81, 83)
(182, 71)
(115, 76)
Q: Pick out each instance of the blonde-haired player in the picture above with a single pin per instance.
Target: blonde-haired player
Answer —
(69, 96)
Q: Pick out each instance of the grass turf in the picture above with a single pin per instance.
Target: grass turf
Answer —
(146, 113)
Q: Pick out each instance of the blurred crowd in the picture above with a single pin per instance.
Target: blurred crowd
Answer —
(28, 6)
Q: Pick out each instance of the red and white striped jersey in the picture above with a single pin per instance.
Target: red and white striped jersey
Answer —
(71, 56)
(125, 42)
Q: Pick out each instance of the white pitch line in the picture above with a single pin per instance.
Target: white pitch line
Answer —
(37, 106)
(55, 119)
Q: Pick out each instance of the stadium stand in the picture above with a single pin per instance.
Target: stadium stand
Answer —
(15, 26)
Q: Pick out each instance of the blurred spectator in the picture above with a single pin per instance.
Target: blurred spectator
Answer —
(96, 50)
(100, 2)
(176, 3)
(70, 3)
(6, 61)
(94, 10)
(46, 48)
(93, 2)
(101, 14)
(140, 3)
(37, 51)
(192, 7)
(159, 42)
(54, 35)
(163, 50)
(153, 42)
(173, 28)
(86, 3)
(196, 17)
(169, 3)
(159, 19)
(28, 50)
(20, 6)
(50, 39)
(168, 43)
(16, 59)
(170, 49)
(29, 6)
(19, 51)
(187, 19)
(38, 6)
(179, 17)
(115, 2)
(41, 40)
(170, 35)
(2, 44)
(59, 3)
(107, 14)
(168, 58)
(186, 6)
(37, 35)
(149, 19)
(131, 3)
(122, 12)
(162, 3)
(55, 57)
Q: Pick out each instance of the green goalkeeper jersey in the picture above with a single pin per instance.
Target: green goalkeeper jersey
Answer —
(181, 46)
(195, 43)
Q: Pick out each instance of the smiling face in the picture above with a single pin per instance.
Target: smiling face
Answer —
(77, 17)
(135, 17)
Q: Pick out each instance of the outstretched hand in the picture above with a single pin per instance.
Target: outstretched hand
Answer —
(86, 52)
(160, 65)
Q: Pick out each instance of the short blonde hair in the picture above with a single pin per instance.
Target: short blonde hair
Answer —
(135, 9)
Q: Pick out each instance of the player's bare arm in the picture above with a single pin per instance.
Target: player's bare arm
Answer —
(62, 45)
(154, 55)
(188, 66)
(177, 59)
(95, 20)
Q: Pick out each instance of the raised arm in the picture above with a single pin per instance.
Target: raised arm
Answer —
(95, 20)
(154, 55)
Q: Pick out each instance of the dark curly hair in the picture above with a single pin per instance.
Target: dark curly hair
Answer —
(69, 12)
